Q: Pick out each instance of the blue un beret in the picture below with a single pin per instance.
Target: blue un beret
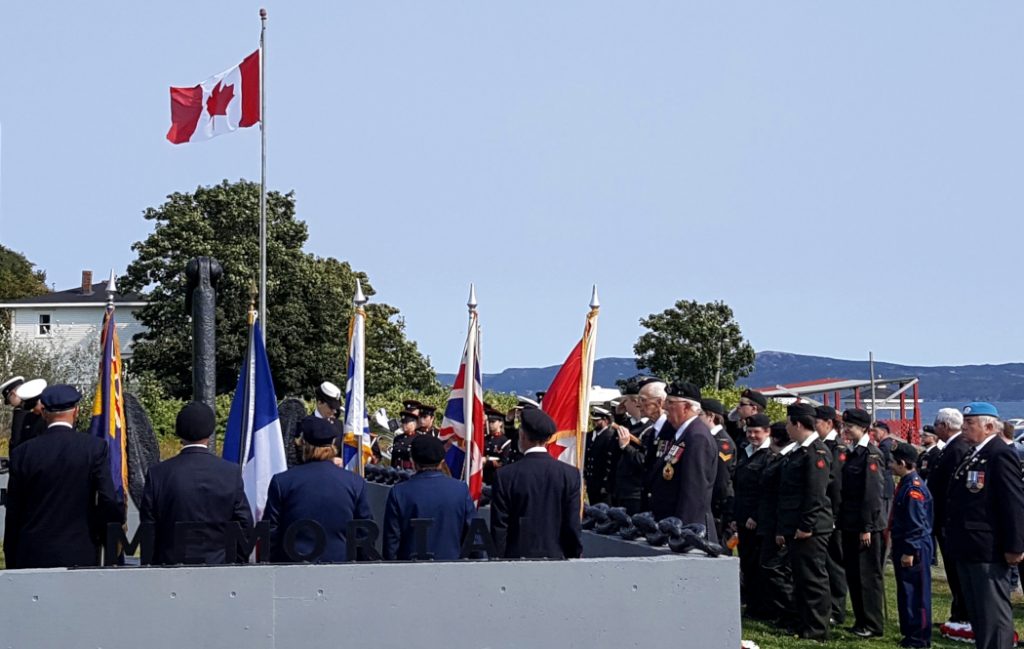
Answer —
(973, 409)
(318, 432)
(58, 398)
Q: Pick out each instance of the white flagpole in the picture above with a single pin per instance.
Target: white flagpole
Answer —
(469, 383)
(359, 374)
(263, 172)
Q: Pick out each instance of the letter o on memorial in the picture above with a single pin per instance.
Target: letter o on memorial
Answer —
(311, 531)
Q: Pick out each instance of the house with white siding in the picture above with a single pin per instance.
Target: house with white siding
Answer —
(74, 317)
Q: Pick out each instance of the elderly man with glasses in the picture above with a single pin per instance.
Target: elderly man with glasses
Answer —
(683, 476)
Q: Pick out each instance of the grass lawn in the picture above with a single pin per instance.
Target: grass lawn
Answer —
(768, 637)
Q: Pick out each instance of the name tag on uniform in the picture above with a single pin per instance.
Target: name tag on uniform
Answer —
(975, 481)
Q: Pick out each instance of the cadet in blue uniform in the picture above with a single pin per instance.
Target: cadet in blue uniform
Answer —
(984, 526)
(198, 488)
(432, 495)
(535, 502)
(862, 523)
(316, 490)
(805, 521)
(912, 550)
(60, 496)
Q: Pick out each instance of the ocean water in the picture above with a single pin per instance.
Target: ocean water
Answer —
(1007, 409)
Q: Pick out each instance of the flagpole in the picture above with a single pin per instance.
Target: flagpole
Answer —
(586, 379)
(469, 395)
(359, 300)
(263, 172)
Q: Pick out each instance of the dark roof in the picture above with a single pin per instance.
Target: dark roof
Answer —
(75, 295)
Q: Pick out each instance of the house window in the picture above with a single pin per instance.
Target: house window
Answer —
(44, 324)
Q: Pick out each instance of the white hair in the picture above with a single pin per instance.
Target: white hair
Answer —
(996, 422)
(694, 405)
(951, 417)
(656, 390)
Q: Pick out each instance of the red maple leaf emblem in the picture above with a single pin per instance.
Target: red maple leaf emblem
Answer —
(842, 457)
(873, 467)
(821, 464)
(220, 98)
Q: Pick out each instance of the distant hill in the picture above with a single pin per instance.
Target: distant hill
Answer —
(946, 383)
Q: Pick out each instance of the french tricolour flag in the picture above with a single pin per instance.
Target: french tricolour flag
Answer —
(466, 405)
(253, 437)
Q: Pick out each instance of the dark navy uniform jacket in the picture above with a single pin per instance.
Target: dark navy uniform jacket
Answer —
(59, 500)
(318, 491)
(803, 491)
(941, 472)
(198, 487)
(911, 530)
(985, 501)
(535, 509)
(688, 494)
(433, 495)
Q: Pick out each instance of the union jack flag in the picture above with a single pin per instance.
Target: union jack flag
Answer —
(464, 416)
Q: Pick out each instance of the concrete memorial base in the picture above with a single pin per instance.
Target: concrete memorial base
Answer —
(666, 601)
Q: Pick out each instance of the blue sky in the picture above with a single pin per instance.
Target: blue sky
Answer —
(845, 175)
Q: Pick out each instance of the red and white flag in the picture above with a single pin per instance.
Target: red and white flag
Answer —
(221, 104)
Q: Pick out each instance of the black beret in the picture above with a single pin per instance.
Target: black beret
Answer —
(536, 423)
(800, 410)
(905, 452)
(195, 421)
(881, 424)
(857, 417)
(58, 398)
(683, 390)
(317, 432)
(928, 429)
(779, 432)
(645, 380)
(759, 421)
(756, 397)
(712, 405)
(427, 450)
(827, 413)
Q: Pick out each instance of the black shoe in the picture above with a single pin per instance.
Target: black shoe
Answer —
(817, 637)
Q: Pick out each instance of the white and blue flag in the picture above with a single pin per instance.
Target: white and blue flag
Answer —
(253, 436)
(357, 421)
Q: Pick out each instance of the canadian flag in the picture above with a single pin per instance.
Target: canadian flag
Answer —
(221, 104)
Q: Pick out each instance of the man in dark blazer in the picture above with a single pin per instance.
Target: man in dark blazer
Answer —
(430, 495)
(683, 477)
(535, 502)
(948, 427)
(192, 498)
(984, 529)
(317, 490)
(60, 496)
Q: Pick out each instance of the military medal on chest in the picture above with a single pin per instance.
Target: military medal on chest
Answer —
(674, 453)
(975, 481)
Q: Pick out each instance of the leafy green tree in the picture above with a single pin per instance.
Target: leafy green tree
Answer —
(17, 277)
(309, 298)
(694, 342)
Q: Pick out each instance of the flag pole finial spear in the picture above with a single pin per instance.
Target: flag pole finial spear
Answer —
(594, 302)
(111, 289)
(359, 299)
(471, 303)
